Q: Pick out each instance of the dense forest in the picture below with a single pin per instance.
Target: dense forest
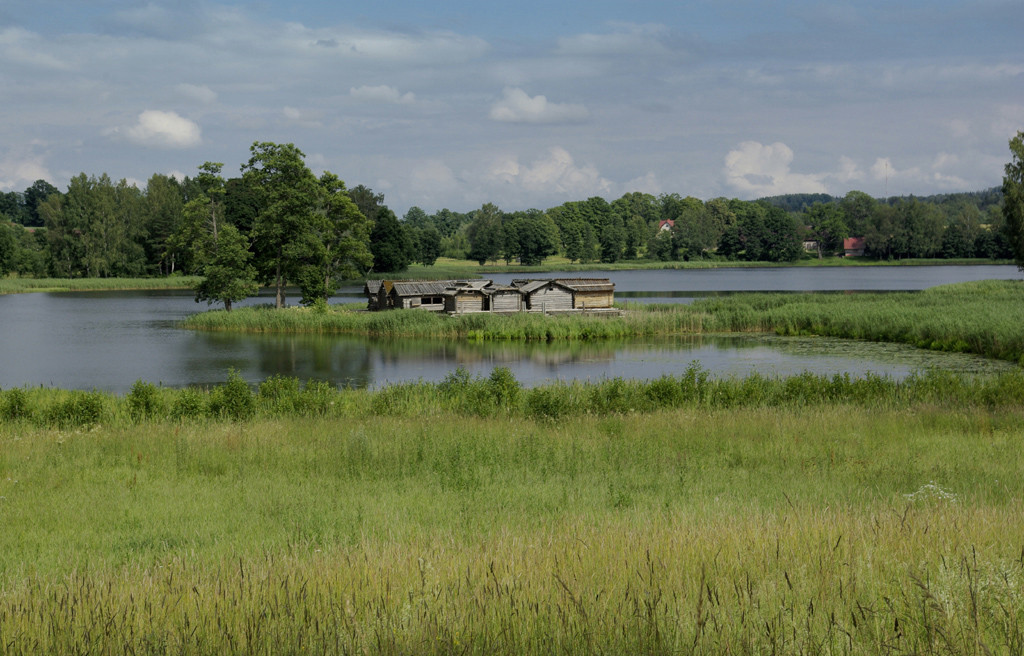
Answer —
(280, 224)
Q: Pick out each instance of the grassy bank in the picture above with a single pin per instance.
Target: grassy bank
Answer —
(756, 529)
(983, 318)
(23, 285)
(446, 268)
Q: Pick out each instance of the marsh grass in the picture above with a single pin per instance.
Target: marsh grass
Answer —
(695, 530)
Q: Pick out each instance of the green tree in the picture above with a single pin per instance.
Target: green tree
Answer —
(429, 243)
(486, 238)
(1013, 199)
(201, 219)
(338, 246)
(391, 243)
(163, 205)
(8, 246)
(828, 227)
(288, 197)
(33, 196)
(531, 236)
(228, 274)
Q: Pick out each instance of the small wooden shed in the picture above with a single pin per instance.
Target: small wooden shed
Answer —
(590, 293)
(546, 296)
(467, 296)
(372, 291)
(506, 298)
(423, 295)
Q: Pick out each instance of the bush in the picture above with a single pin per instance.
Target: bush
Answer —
(78, 410)
(504, 389)
(189, 404)
(14, 405)
(233, 400)
(144, 401)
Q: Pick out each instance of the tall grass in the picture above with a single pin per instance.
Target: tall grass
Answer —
(822, 529)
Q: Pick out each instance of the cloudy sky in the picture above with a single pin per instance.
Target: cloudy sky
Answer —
(527, 104)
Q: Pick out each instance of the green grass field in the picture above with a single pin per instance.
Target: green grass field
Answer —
(823, 528)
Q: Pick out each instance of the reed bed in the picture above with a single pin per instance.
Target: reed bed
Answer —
(698, 530)
(23, 285)
(500, 395)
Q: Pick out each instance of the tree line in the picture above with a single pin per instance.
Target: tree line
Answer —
(278, 224)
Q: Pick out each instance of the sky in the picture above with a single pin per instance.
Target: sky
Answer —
(528, 104)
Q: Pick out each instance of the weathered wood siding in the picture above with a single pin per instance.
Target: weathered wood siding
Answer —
(506, 301)
(551, 298)
(471, 302)
(594, 300)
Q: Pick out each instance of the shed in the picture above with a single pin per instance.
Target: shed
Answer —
(467, 296)
(506, 298)
(424, 295)
(372, 291)
(590, 293)
(546, 296)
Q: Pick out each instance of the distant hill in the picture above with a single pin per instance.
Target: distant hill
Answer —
(982, 199)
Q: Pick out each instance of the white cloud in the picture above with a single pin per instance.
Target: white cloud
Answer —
(19, 169)
(884, 171)
(518, 107)
(760, 170)
(556, 173)
(164, 129)
(198, 92)
(382, 94)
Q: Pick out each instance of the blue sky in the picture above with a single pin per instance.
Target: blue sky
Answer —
(526, 105)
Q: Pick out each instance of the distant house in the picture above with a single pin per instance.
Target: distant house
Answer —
(666, 224)
(372, 291)
(811, 245)
(590, 293)
(853, 246)
(545, 295)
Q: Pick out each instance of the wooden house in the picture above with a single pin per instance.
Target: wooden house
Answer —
(590, 293)
(423, 295)
(506, 298)
(467, 296)
(372, 291)
(545, 296)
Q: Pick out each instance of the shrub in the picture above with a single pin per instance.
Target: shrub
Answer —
(14, 405)
(78, 410)
(504, 389)
(189, 404)
(144, 401)
(233, 400)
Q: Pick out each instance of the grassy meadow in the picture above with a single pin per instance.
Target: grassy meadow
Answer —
(730, 517)
(983, 318)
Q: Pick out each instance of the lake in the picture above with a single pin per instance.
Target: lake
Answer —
(108, 340)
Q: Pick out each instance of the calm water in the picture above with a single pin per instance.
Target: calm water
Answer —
(107, 340)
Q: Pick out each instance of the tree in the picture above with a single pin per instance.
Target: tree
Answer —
(391, 244)
(228, 274)
(531, 236)
(288, 197)
(485, 234)
(1013, 199)
(33, 196)
(339, 244)
(828, 227)
(429, 246)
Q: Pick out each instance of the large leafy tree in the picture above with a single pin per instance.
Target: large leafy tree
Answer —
(1013, 199)
(530, 236)
(485, 233)
(391, 244)
(288, 198)
(228, 274)
(338, 245)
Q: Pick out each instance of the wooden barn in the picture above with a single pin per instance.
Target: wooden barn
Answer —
(506, 298)
(590, 293)
(467, 296)
(546, 296)
(423, 295)
(372, 291)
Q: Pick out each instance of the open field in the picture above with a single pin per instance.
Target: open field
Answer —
(817, 527)
(983, 318)
(23, 285)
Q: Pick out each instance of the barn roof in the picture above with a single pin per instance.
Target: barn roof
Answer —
(421, 287)
(588, 284)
